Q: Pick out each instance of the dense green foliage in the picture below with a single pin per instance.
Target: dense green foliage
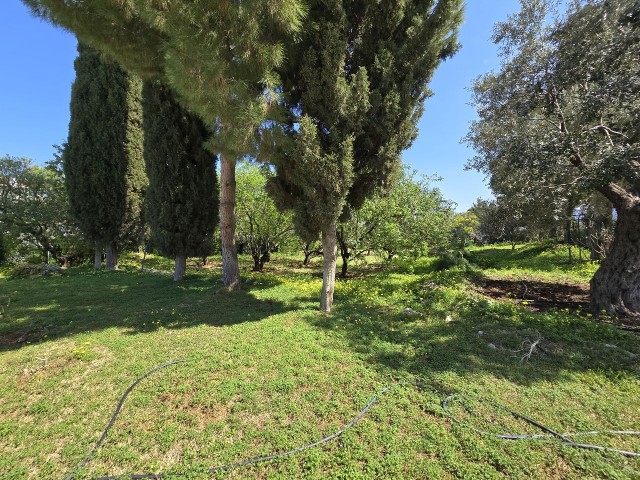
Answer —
(411, 219)
(220, 58)
(103, 157)
(498, 222)
(355, 85)
(34, 212)
(261, 228)
(558, 121)
(269, 373)
(181, 201)
(359, 79)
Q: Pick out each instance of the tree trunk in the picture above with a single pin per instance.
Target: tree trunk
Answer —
(230, 269)
(180, 268)
(309, 254)
(615, 287)
(97, 257)
(111, 259)
(257, 267)
(330, 249)
(345, 266)
(344, 253)
(593, 230)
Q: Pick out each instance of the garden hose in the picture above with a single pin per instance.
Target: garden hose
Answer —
(565, 438)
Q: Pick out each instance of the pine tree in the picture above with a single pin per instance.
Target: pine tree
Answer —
(102, 160)
(219, 57)
(356, 84)
(181, 199)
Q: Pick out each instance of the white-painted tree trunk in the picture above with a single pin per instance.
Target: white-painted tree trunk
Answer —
(330, 249)
(180, 268)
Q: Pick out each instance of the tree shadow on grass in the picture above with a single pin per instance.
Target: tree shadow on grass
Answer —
(452, 331)
(84, 301)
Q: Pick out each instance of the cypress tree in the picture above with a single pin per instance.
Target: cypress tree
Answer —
(102, 160)
(356, 84)
(181, 199)
(220, 57)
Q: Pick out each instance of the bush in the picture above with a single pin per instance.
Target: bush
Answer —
(451, 260)
(34, 270)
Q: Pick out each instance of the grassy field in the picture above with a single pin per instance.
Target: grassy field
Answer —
(267, 373)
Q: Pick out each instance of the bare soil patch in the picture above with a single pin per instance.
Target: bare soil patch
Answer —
(542, 296)
(537, 296)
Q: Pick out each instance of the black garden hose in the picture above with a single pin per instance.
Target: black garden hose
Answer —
(565, 438)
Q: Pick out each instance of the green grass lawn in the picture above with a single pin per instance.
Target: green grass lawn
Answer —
(267, 373)
(543, 261)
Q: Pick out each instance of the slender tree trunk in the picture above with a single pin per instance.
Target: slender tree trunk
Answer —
(345, 266)
(330, 249)
(111, 259)
(615, 287)
(180, 268)
(230, 269)
(97, 257)
(595, 250)
(344, 253)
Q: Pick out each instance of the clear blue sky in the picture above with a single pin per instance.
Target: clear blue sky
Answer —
(36, 65)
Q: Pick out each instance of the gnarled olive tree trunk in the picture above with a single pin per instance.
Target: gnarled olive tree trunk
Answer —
(330, 249)
(230, 269)
(615, 287)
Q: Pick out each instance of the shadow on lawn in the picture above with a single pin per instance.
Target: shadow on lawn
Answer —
(84, 301)
(480, 336)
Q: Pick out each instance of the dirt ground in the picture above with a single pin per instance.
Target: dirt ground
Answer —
(542, 296)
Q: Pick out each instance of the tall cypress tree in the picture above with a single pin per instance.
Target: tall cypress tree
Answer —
(181, 199)
(102, 160)
(356, 84)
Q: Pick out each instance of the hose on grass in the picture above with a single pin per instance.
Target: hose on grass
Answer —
(565, 438)
(124, 396)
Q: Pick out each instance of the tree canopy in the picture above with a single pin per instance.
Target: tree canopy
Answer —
(559, 120)
(261, 227)
(219, 57)
(181, 199)
(102, 159)
(34, 210)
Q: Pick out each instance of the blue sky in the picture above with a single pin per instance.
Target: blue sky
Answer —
(36, 61)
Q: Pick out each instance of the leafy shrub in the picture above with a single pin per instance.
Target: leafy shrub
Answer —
(450, 260)
(33, 270)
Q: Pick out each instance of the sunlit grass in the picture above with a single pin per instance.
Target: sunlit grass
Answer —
(268, 372)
